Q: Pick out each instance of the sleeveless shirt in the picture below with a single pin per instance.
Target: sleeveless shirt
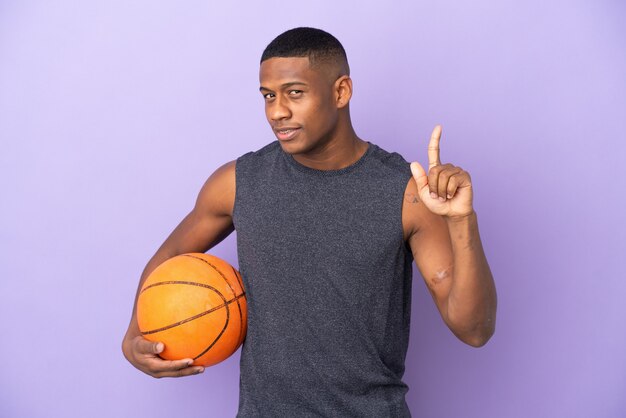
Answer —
(327, 276)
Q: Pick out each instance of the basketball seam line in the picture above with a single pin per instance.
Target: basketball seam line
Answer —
(178, 282)
(191, 318)
(216, 269)
(240, 339)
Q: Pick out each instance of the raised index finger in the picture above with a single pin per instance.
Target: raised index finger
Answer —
(433, 148)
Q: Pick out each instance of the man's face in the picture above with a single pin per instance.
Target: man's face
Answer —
(299, 103)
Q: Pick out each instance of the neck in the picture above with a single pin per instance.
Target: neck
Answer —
(341, 150)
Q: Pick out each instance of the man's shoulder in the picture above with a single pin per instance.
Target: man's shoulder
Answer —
(250, 164)
(390, 160)
(273, 148)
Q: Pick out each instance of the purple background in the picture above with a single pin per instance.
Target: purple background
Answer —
(112, 115)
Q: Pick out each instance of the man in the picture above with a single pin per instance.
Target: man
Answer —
(327, 228)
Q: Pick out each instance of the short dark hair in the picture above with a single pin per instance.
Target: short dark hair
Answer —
(316, 44)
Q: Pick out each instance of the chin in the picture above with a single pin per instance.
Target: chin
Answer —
(294, 147)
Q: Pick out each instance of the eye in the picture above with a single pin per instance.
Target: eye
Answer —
(268, 96)
(295, 92)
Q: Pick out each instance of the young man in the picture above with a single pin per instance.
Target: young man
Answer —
(327, 228)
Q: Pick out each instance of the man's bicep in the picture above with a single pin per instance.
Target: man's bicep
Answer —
(432, 251)
(210, 221)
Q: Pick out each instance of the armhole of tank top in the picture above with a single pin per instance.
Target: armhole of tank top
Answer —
(240, 166)
(405, 243)
(406, 175)
(237, 188)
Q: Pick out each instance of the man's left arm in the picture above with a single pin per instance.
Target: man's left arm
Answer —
(444, 238)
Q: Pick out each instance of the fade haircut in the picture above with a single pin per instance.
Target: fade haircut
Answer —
(319, 46)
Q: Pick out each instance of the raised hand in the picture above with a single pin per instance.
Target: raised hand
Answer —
(447, 189)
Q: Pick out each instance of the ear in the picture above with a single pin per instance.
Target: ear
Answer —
(343, 91)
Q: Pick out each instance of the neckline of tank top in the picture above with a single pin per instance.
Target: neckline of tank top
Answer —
(301, 167)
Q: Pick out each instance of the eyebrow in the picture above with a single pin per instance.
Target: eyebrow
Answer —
(285, 85)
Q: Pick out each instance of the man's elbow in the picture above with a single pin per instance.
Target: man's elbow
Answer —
(475, 328)
(480, 337)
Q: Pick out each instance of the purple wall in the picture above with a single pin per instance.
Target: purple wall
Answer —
(112, 115)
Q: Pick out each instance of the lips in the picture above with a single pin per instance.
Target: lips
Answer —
(286, 133)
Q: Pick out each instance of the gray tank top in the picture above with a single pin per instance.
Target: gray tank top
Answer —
(328, 282)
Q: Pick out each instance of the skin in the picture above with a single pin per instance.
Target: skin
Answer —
(309, 104)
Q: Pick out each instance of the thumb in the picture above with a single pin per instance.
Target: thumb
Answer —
(419, 175)
(148, 347)
(157, 348)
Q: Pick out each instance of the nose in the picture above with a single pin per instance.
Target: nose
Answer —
(277, 110)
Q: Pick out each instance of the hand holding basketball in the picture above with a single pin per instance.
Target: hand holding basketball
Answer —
(191, 313)
(446, 190)
(144, 355)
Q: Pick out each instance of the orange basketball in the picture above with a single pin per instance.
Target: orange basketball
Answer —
(196, 305)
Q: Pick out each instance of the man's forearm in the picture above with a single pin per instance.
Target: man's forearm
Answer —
(471, 307)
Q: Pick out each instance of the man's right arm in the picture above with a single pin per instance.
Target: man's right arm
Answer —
(205, 226)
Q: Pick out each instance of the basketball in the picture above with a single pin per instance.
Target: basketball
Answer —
(196, 305)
